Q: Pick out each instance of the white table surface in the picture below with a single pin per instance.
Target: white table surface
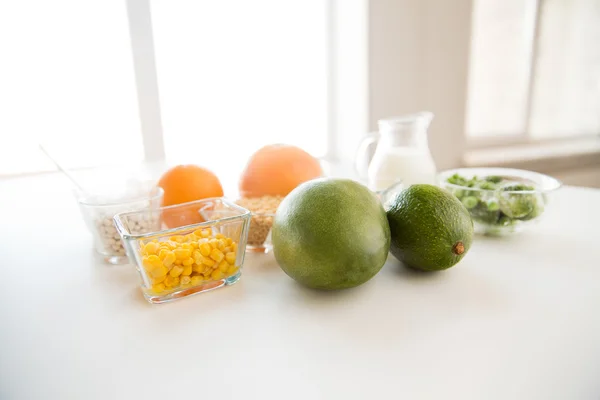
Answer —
(518, 318)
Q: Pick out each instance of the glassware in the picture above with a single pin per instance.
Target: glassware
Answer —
(399, 152)
(174, 260)
(501, 201)
(259, 235)
(99, 208)
(263, 211)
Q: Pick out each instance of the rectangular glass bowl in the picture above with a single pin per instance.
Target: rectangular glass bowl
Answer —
(200, 246)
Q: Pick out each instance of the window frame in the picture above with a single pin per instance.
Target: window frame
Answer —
(525, 137)
(144, 60)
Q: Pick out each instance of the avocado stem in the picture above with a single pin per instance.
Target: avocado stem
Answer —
(458, 248)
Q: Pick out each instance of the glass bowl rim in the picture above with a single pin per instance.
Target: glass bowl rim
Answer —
(262, 214)
(245, 214)
(155, 193)
(443, 175)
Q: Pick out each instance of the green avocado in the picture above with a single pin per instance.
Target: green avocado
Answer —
(431, 229)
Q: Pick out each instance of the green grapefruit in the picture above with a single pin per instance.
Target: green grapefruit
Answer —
(331, 234)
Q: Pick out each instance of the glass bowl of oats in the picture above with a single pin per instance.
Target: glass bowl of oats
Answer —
(263, 212)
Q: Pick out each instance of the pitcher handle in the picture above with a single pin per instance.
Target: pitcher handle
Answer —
(364, 154)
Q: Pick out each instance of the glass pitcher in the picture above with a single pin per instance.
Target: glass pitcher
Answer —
(399, 152)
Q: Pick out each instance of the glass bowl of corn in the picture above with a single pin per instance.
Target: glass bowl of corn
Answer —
(199, 247)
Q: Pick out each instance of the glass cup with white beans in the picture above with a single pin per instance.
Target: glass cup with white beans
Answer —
(98, 210)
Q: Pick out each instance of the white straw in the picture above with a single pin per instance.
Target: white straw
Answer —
(63, 170)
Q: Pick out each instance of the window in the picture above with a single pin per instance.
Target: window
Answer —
(234, 76)
(231, 77)
(66, 80)
(534, 69)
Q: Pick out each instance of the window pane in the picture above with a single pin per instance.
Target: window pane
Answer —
(66, 79)
(501, 46)
(566, 96)
(235, 75)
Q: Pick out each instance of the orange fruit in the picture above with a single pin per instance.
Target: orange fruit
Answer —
(185, 183)
(276, 170)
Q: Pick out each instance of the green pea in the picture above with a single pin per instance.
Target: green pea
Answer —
(519, 187)
(493, 205)
(493, 179)
(487, 186)
(459, 193)
(456, 179)
(470, 202)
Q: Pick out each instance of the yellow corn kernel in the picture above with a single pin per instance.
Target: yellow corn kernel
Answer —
(185, 280)
(222, 244)
(205, 249)
(205, 233)
(151, 248)
(232, 270)
(223, 266)
(216, 255)
(216, 275)
(186, 246)
(176, 271)
(177, 238)
(182, 254)
(169, 259)
(194, 245)
(157, 262)
(230, 257)
(197, 268)
(234, 247)
(219, 236)
(198, 233)
(188, 262)
(209, 269)
(159, 279)
(151, 261)
(162, 253)
(208, 262)
(214, 243)
(159, 287)
(171, 281)
(199, 263)
(197, 256)
(147, 264)
(197, 280)
(228, 241)
(187, 270)
(158, 272)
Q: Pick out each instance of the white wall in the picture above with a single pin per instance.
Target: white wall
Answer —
(418, 60)
(589, 177)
